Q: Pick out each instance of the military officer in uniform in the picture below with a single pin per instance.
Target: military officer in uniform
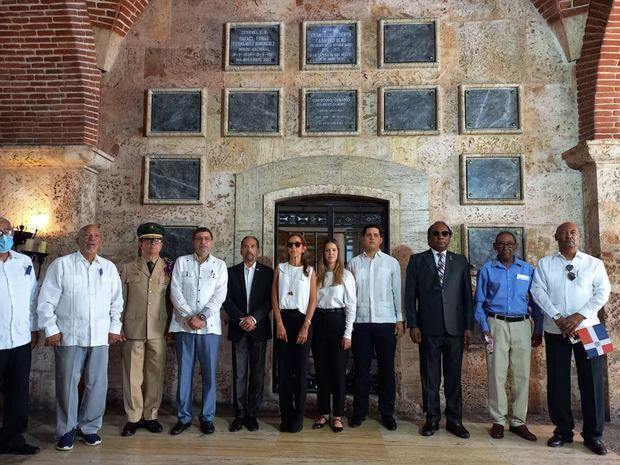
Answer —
(146, 283)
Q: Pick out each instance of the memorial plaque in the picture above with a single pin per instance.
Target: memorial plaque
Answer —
(252, 112)
(480, 240)
(408, 111)
(173, 179)
(493, 179)
(330, 112)
(175, 112)
(178, 241)
(491, 110)
(330, 44)
(407, 42)
(253, 46)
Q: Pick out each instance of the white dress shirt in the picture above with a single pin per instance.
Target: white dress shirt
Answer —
(557, 295)
(339, 296)
(248, 274)
(198, 288)
(81, 300)
(294, 287)
(17, 305)
(436, 257)
(378, 287)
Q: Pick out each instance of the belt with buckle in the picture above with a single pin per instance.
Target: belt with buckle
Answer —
(329, 310)
(506, 318)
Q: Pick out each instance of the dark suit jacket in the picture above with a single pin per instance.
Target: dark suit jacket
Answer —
(260, 301)
(426, 301)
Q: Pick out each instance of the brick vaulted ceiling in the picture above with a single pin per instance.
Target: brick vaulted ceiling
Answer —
(50, 82)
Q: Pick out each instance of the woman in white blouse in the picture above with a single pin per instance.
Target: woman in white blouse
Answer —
(293, 297)
(333, 325)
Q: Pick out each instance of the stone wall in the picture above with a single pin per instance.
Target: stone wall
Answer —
(180, 44)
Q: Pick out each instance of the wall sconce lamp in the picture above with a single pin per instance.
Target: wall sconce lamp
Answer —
(37, 250)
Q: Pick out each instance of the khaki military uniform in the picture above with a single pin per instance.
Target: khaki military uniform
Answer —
(145, 322)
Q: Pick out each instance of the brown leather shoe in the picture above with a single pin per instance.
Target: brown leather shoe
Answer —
(497, 431)
(522, 431)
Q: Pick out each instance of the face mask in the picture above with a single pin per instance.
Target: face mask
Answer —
(6, 243)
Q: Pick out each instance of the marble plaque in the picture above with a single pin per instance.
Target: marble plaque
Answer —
(491, 109)
(330, 44)
(408, 42)
(480, 240)
(175, 112)
(173, 179)
(408, 111)
(253, 46)
(252, 112)
(178, 241)
(493, 179)
(330, 112)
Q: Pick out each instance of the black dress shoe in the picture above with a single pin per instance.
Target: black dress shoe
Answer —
(558, 440)
(154, 426)
(251, 423)
(457, 429)
(596, 445)
(389, 422)
(22, 449)
(356, 420)
(207, 427)
(236, 425)
(179, 427)
(130, 428)
(429, 428)
(284, 428)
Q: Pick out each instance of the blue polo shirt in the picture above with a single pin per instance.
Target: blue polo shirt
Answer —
(506, 291)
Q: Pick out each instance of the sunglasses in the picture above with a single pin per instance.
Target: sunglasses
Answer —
(571, 276)
(440, 233)
(296, 244)
(508, 245)
(6, 232)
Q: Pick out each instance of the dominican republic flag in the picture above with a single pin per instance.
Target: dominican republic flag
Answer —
(595, 340)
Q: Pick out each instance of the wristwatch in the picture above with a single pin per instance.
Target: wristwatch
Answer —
(556, 317)
(202, 317)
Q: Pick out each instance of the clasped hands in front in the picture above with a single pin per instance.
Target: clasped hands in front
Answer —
(568, 325)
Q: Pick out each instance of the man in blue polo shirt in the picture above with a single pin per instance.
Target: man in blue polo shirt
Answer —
(502, 309)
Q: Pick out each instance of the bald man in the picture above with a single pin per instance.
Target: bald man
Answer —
(571, 287)
(80, 306)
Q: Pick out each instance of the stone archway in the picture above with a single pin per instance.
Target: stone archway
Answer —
(406, 190)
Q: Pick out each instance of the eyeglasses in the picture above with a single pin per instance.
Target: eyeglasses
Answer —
(508, 245)
(296, 244)
(6, 232)
(440, 233)
(153, 240)
(571, 276)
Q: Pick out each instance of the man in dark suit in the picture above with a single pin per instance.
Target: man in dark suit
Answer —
(248, 305)
(440, 316)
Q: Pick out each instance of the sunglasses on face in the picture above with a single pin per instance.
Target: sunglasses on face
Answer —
(440, 233)
(6, 232)
(152, 241)
(508, 245)
(296, 244)
(571, 275)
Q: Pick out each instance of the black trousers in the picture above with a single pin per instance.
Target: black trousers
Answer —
(330, 361)
(293, 370)
(436, 351)
(590, 378)
(248, 356)
(380, 338)
(14, 376)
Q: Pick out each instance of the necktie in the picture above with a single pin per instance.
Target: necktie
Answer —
(441, 267)
(150, 265)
